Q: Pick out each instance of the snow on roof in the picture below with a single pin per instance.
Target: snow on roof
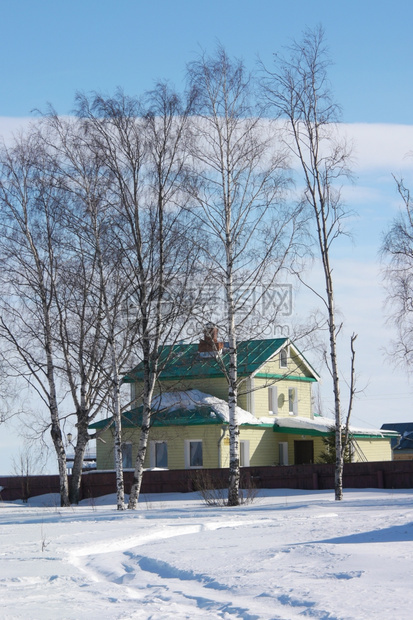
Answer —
(191, 399)
(319, 423)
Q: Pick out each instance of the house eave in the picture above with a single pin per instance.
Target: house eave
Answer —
(278, 377)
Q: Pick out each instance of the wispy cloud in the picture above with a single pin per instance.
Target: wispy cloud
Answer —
(10, 126)
(380, 146)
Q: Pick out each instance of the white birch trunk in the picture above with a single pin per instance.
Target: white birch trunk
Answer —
(144, 434)
(115, 380)
(140, 458)
(76, 475)
(338, 473)
(234, 470)
(55, 430)
(324, 242)
(117, 415)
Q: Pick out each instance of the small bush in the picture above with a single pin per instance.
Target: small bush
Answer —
(249, 492)
(214, 495)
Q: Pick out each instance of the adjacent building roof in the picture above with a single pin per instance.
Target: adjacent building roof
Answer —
(185, 361)
(404, 440)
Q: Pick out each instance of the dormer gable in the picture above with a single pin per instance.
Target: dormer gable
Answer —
(287, 362)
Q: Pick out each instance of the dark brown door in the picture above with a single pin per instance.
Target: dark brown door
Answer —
(303, 452)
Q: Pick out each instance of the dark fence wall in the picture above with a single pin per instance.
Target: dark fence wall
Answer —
(22, 487)
(379, 475)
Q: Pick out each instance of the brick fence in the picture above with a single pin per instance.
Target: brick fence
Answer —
(378, 475)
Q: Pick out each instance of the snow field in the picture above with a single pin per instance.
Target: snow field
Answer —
(291, 554)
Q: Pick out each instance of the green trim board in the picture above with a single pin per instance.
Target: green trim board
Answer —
(306, 361)
(363, 436)
(269, 375)
(299, 431)
(315, 433)
(257, 426)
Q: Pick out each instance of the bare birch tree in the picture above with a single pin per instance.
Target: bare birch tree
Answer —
(298, 90)
(94, 306)
(397, 250)
(68, 236)
(145, 155)
(10, 403)
(30, 212)
(239, 177)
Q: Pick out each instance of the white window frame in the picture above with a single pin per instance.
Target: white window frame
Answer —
(294, 410)
(244, 453)
(284, 362)
(152, 452)
(187, 450)
(251, 395)
(273, 400)
(283, 453)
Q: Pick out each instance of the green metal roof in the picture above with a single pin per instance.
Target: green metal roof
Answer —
(183, 360)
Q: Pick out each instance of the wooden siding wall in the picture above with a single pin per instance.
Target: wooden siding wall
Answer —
(304, 407)
(263, 446)
(294, 366)
(175, 437)
(373, 450)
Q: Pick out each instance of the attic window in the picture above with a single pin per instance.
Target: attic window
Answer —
(283, 358)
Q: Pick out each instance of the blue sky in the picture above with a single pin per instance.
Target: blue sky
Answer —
(51, 49)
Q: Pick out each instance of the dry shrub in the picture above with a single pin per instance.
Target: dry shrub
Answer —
(213, 494)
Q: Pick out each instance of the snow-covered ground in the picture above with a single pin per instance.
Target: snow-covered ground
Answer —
(290, 554)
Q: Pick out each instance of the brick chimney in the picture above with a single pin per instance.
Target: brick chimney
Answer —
(209, 343)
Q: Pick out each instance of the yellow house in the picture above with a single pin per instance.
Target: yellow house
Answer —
(189, 427)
